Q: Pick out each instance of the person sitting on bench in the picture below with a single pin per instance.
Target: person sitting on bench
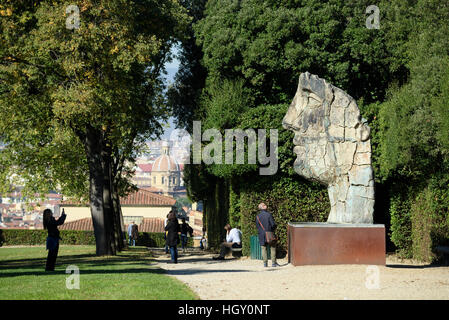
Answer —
(233, 240)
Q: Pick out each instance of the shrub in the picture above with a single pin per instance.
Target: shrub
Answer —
(12, 237)
(155, 240)
(288, 199)
(401, 224)
(430, 221)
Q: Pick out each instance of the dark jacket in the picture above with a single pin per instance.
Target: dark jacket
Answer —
(186, 229)
(172, 236)
(53, 224)
(268, 223)
(134, 232)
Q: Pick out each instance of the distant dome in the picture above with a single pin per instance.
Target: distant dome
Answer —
(165, 163)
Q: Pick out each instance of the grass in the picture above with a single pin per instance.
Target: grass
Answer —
(129, 275)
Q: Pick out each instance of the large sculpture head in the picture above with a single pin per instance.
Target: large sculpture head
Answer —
(333, 147)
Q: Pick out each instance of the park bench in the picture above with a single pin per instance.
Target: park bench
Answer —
(236, 252)
(444, 251)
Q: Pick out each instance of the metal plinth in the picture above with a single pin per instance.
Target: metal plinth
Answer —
(328, 243)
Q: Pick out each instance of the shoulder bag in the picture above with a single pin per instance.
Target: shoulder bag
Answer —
(269, 235)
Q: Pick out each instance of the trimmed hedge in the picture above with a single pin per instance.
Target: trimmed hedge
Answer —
(12, 237)
(288, 199)
(155, 240)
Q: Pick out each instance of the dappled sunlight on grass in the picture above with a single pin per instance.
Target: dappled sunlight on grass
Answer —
(129, 275)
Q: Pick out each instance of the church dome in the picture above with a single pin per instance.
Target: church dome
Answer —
(164, 162)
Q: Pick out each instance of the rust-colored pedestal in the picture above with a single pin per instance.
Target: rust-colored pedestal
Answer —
(315, 243)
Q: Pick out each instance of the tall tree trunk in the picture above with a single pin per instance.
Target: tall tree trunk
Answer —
(100, 221)
(107, 195)
(118, 219)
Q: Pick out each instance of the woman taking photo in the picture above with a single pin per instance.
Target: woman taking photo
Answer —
(171, 230)
(51, 224)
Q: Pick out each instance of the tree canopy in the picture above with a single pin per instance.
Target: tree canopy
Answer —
(83, 98)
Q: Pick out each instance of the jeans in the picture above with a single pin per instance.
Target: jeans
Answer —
(174, 254)
(132, 241)
(265, 253)
(51, 258)
(183, 240)
(203, 244)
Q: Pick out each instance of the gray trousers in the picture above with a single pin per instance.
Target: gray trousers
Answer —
(265, 253)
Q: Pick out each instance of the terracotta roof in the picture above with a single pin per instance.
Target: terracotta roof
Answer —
(151, 225)
(145, 167)
(144, 197)
(141, 198)
(80, 225)
(147, 225)
(152, 189)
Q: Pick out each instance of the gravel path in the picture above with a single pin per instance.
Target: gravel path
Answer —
(241, 279)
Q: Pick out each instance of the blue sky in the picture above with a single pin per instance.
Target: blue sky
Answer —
(171, 68)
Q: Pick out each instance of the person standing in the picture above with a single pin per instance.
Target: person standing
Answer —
(185, 230)
(134, 233)
(51, 224)
(165, 236)
(172, 229)
(130, 233)
(203, 241)
(233, 240)
(265, 223)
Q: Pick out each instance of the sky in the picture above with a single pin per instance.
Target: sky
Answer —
(171, 68)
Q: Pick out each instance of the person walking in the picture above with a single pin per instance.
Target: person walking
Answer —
(134, 233)
(265, 223)
(185, 230)
(171, 230)
(233, 240)
(51, 225)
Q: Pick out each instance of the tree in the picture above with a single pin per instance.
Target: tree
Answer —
(98, 85)
(268, 44)
(184, 96)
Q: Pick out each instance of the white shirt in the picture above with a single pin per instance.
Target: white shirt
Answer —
(234, 236)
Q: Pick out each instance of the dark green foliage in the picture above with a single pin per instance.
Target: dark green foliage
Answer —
(14, 237)
(254, 51)
(155, 240)
(288, 199)
(401, 224)
(269, 44)
(411, 131)
(430, 220)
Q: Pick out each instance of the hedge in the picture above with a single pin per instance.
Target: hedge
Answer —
(12, 237)
(288, 199)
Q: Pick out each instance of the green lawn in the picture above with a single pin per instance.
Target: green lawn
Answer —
(129, 275)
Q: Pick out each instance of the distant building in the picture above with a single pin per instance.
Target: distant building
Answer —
(164, 174)
(195, 220)
(143, 207)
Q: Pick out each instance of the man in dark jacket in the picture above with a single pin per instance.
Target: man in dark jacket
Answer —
(265, 223)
